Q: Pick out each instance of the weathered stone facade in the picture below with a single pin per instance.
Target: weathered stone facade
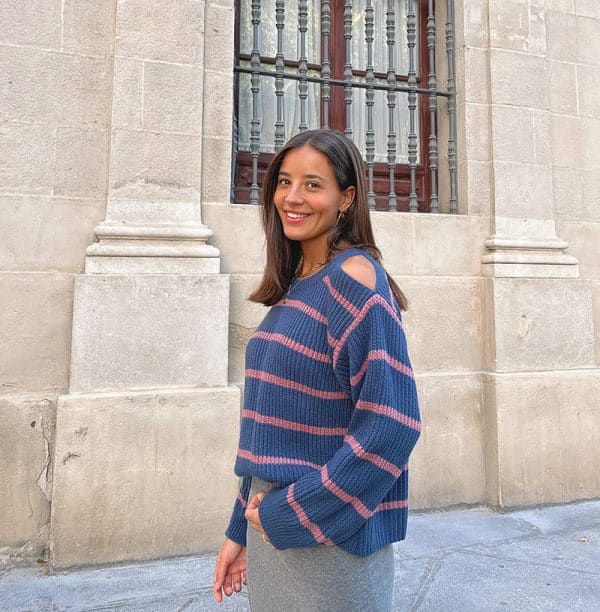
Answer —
(124, 271)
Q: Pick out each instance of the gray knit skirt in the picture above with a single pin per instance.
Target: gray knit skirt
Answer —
(317, 578)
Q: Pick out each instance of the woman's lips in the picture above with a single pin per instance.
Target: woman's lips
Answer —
(296, 219)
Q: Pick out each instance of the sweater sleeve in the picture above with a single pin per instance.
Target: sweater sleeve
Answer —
(238, 523)
(371, 363)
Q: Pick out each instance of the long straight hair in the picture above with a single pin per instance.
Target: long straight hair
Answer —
(353, 230)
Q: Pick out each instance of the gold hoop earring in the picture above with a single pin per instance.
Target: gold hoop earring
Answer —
(341, 213)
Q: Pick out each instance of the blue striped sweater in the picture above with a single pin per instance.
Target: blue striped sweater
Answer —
(330, 413)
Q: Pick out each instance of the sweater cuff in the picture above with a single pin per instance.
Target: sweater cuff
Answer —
(286, 526)
(237, 529)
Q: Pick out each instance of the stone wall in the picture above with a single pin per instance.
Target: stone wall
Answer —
(115, 183)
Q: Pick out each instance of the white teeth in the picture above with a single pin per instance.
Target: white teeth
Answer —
(296, 216)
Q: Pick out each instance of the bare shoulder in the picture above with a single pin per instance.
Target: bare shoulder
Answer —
(361, 269)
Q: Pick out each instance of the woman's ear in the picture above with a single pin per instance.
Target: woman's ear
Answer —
(348, 198)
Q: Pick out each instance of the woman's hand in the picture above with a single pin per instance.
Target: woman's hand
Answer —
(252, 515)
(230, 569)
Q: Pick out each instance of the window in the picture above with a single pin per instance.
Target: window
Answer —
(346, 65)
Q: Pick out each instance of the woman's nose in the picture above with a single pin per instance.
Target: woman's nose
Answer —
(293, 194)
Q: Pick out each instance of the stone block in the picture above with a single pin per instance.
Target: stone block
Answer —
(562, 87)
(42, 86)
(41, 234)
(442, 323)
(590, 143)
(216, 170)
(395, 236)
(588, 41)
(596, 309)
(591, 195)
(587, 8)
(35, 330)
(173, 98)
(238, 235)
(128, 93)
(477, 132)
(145, 30)
(154, 166)
(518, 79)
(81, 161)
(567, 186)
(447, 466)
(548, 436)
(513, 134)
(218, 105)
(584, 243)
(542, 324)
(26, 451)
(148, 331)
(219, 37)
(143, 475)
(475, 15)
(474, 187)
(26, 158)
(561, 31)
(439, 247)
(566, 141)
(475, 86)
(244, 318)
(36, 23)
(509, 24)
(523, 190)
(588, 91)
(542, 137)
(88, 26)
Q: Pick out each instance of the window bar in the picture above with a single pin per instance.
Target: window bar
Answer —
(326, 65)
(451, 104)
(348, 67)
(255, 88)
(370, 97)
(279, 68)
(432, 152)
(302, 62)
(411, 28)
(391, 101)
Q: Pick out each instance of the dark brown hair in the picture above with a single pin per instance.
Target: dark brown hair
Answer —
(353, 230)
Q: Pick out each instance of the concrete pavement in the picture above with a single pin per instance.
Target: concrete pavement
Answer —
(472, 559)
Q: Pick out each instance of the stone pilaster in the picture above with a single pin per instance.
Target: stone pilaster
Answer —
(144, 436)
(537, 313)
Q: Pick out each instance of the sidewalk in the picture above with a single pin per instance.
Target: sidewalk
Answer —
(460, 561)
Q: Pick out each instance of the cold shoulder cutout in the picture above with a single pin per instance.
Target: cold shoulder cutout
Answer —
(361, 269)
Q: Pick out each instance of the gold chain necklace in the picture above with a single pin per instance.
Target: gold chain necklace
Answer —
(301, 276)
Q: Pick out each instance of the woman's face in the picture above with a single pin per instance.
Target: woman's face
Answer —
(307, 196)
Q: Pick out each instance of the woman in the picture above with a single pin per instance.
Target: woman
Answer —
(330, 412)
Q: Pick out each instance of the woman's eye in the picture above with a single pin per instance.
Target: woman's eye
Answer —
(283, 181)
(313, 185)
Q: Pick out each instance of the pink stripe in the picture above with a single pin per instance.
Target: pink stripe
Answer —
(340, 298)
(346, 497)
(259, 459)
(304, 520)
(242, 500)
(305, 308)
(372, 301)
(382, 355)
(292, 344)
(377, 460)
(390, 412)
(392, 505)
(292, 384)
(293, 425)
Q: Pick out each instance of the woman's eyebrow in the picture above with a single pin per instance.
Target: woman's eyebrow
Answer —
(317, 176)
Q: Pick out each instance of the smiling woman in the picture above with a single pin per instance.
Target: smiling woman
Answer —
(330, 413)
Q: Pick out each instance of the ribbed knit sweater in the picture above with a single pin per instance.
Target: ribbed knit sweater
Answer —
(330, 413)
